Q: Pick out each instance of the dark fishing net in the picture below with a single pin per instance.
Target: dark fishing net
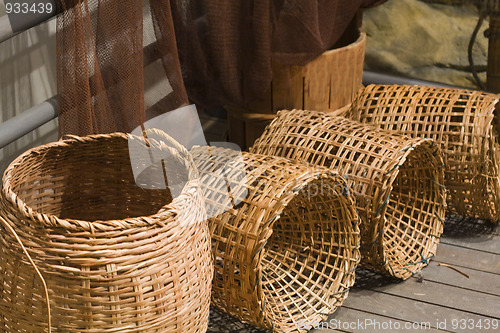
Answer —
(118, 61)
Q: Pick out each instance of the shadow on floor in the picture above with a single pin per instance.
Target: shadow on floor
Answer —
(367, 279)
(466, 227)
(221, 322)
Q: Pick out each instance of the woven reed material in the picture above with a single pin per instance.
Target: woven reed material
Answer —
(115, 257)
(287, 252)
(461, 121)
(104, 50)
(397, 182)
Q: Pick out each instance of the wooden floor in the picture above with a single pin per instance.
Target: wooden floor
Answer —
(440, 299)
(437, 295)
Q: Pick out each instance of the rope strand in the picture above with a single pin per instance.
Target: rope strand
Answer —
(13, 232)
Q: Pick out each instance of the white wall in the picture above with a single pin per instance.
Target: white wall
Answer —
(27, 78)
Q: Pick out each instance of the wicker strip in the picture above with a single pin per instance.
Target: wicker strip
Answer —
(115, 257)
(285, 254)
(461, 121)
(397, 182)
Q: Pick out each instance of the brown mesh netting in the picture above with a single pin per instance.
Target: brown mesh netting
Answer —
(226, 46)
(118, 62)
(106, 51)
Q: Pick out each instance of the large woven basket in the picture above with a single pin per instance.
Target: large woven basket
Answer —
(285, 242)
(100, 253)
(461, 121)
(397, 182)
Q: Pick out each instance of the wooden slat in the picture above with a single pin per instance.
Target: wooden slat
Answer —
(358, 319)
(447, 296)
(478, 280)
(316, 83)
(485, 243)
(463, 257)
(402, 308)
(281, 92)
(326, 330)
(297, 87)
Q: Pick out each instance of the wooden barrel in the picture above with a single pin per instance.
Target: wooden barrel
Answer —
(325, 84)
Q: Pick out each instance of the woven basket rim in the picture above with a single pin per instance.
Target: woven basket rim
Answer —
(381, 221)
(318, 175)
(13, 199)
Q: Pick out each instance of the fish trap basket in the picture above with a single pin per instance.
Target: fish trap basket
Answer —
(397, 182)
(285, 238)
(100, 253)
(461, 121)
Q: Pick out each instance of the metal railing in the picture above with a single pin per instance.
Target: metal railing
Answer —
(28, 121)
(40, 114)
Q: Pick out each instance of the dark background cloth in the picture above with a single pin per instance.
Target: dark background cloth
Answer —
(226, 47)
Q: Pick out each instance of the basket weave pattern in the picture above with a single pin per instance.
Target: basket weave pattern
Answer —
(286, 252)
(461, 121)
(115, 257)
(396, 181)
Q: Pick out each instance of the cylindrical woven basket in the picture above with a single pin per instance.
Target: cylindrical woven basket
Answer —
(285, 241)
(329, 82)
(397, 182)
(464, 125)
(107, 255)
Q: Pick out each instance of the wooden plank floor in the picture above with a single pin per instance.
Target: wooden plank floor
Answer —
(439, 299)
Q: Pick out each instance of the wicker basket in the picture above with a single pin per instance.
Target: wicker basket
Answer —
(100, 253)
(285, 254)
(396, 181)
(461, 121)
(327, 83)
